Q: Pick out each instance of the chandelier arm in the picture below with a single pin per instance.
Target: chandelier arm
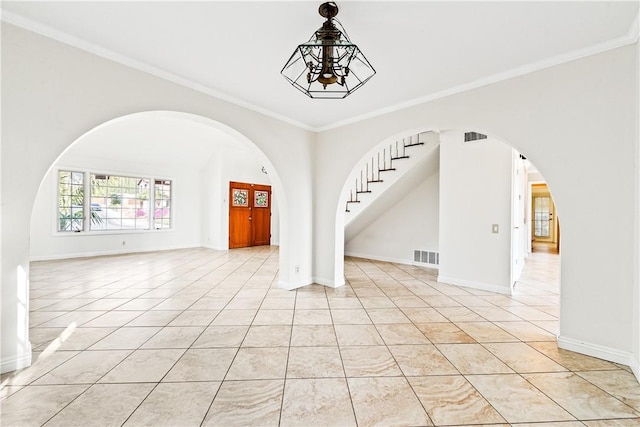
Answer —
(288, 65)
(343, 30)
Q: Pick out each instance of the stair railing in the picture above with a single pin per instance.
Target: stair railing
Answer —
(383, 162)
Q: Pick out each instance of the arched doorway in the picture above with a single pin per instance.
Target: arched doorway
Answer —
(193, 158)
(478, 202)
(545, 224)
(206, 130)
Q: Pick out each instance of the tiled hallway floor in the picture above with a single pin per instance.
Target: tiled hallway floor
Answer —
(198, 337)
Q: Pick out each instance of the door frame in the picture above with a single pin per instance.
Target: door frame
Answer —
(247, 213)
(554, 227)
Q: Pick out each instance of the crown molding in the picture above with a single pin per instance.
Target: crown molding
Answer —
(630, 37)
(52, 33)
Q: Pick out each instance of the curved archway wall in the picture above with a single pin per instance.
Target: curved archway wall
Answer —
(578, 123)
(343, 220)
(53, 93)
(198, 154)
(473, 189)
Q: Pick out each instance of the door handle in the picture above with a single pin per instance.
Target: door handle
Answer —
(249, 218)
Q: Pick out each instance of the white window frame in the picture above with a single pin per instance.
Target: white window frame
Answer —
(57, 200)
(87, 202)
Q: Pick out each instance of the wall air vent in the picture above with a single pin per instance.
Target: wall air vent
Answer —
(426, 257)
(473, 136)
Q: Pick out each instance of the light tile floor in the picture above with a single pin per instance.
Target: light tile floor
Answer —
(198, 337)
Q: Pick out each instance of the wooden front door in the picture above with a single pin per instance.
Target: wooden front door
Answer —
(249, 215)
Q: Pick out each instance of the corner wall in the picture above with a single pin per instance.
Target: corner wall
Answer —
(636, 296)
(475, 194)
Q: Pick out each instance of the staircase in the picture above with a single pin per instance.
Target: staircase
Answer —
(379, 172)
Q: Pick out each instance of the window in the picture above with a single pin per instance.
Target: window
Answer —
(162, 197)
(70, 201)
(542, 216)
(121, 202)
(115, 202)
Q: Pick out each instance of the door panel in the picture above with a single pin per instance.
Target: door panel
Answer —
(261, 215)
(249, 215)
(239, 215)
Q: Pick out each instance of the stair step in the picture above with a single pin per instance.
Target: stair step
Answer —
(385, 156)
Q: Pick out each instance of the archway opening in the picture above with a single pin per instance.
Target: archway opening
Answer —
(194, 158)
(148, 182)
(477, 192)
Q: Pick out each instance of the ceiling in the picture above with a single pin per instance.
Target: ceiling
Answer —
(421, 50)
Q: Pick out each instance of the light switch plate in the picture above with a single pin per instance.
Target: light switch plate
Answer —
(495, 229)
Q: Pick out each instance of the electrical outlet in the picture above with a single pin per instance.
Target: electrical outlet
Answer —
(123, 242)
(297, 269)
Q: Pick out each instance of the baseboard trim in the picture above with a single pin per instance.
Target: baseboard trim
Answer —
(393, 260)
(14, 363)
(213, 247)
(289, 286)
(426, 265)
(108, 253)
(475, 285)
(599, 351)
(635, 367)
(328, 282)
(124, 252)
(379, 258)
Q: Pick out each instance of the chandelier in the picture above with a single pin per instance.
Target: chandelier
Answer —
(328, 65)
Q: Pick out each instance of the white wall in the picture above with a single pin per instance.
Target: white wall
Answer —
(213, 211)
(475, 193)
(520, 225)
(636, 296)
(47, 243)
(52, 94)
(410, 224)
(581, 147)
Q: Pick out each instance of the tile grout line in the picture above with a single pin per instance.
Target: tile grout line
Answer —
(386, 278)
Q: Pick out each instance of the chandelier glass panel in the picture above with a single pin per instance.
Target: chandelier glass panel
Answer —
(328, 65)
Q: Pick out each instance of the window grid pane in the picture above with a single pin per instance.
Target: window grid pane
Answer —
(162, 211)
(541, 217)
(116, 202)
(119, 203)
(70, 201)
